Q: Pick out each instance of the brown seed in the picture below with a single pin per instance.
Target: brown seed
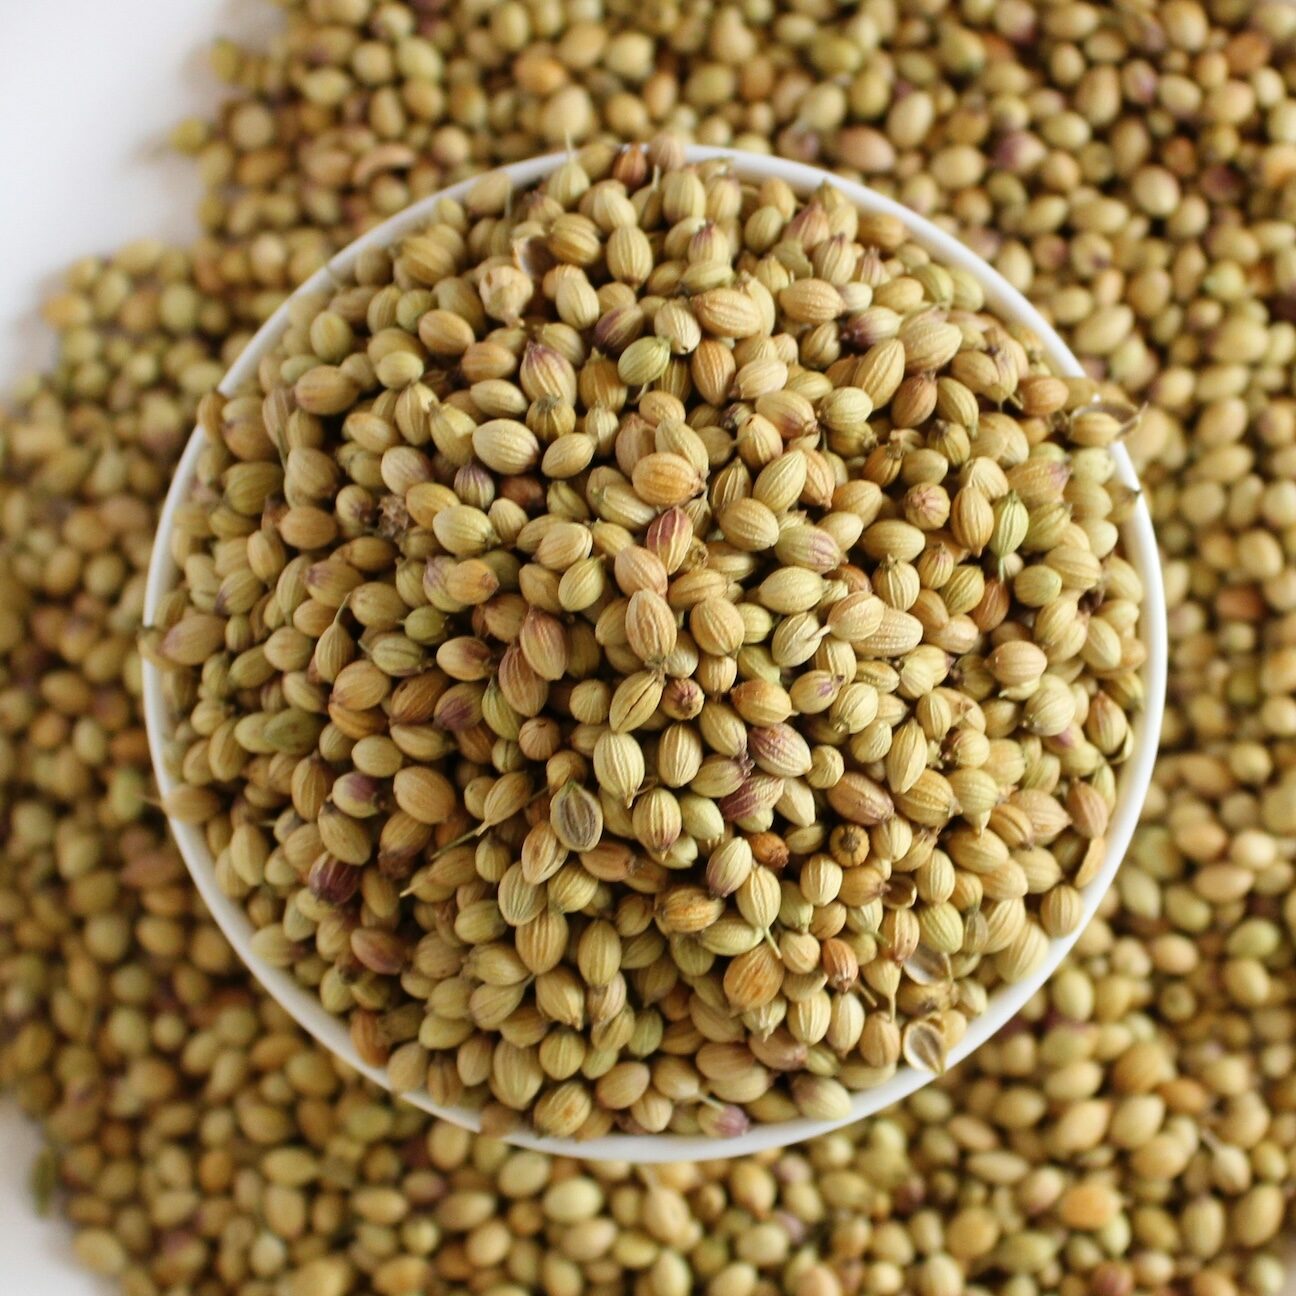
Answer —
(779, 749)
(727, 312)
(191, 641)
(619, 765)
(380, 951)
(563, 1110)
(923, 1046)
(1017, 662)
(880, 371)
(717, 627)
(576, 818)
(753, 979)
(666, 479)
(750, 525)
(543, 642)
(810, 301)
(856, 617)
(971, 519)
(650, 627)
(686, 909)
(325, 389)
(713, 369)
(643, 361)
(634, 701)
(928, 344)
(859, 800)
(506, 446)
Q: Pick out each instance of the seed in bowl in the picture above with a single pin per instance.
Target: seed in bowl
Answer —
(653, 651)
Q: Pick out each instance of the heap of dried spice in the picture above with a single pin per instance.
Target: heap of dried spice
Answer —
(653, 649)
(1134, 1133)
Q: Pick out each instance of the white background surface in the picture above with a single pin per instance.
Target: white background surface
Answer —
(88, 91)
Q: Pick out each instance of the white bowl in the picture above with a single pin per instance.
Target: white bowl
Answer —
(1134, 775)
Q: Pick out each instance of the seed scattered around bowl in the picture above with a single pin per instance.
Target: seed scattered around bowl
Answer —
(1133, 1131)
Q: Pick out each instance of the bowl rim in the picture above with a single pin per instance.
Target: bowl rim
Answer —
(1004, 1002)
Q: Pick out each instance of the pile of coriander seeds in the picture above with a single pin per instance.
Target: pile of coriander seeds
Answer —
(653, 649)
(1135, 1133)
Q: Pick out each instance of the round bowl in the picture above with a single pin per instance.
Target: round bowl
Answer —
(1134, 775)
